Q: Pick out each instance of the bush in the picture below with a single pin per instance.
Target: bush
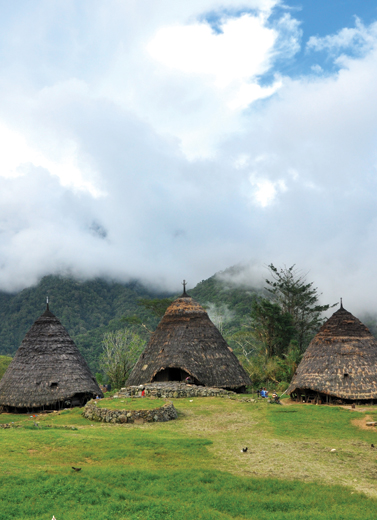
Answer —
(4, 363)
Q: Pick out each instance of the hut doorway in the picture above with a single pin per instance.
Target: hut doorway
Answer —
(173, 374)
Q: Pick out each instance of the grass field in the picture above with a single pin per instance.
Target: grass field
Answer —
(193, 468)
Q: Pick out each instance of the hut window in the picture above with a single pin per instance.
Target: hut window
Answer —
(54, 384)
(345, 375)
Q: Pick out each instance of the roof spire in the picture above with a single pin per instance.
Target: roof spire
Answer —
(47, 307)
(184, 283)
(341, 303)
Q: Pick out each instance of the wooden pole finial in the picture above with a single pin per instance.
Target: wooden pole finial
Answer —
(184, 283)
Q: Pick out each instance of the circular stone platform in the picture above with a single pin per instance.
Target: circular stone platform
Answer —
(161, 414)
(173, 389)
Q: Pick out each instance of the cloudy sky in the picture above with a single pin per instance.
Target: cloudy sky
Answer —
(171, 139)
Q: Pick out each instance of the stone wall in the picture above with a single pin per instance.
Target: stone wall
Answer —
(173, 390)
(162, 414)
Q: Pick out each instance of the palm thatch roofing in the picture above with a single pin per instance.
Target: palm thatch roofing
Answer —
(47, 371)
(340, 362)
(187, 344)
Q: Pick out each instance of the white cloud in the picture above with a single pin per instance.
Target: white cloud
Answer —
(248, 93)
(242, 161)
(85, 110)
(241, 51)
(266, 191)
(317, 68)
(205, 78)
(17, 155)
(360, 38)
(13, 151)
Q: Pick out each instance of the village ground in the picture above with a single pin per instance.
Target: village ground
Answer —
(193, 467)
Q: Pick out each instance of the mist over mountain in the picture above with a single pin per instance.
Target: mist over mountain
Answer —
(176, 144)
(88, 309)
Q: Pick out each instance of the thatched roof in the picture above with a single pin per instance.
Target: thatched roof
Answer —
(47, 370)
(186, 342)
(340, 361)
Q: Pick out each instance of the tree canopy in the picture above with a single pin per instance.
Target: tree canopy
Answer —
(272, 327)
(156, 306)
(4, 363)
(121, 350)
(289, 289)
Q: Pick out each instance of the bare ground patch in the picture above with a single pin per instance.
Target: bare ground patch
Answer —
(362, 423)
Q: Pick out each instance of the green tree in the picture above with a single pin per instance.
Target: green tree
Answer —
(156, 306)
(289, 289)
(272, 328)
(121, 350)
(4, 363)
(99, 378)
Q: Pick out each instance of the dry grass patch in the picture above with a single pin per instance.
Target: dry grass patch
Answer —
(289, 443)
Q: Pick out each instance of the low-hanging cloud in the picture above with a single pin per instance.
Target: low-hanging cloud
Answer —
(118, 165)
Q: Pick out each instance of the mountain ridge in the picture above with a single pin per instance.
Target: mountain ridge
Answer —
(88, 309)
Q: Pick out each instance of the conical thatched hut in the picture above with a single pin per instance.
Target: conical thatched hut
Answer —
(340, 364)
(187, 344)
(47, 372)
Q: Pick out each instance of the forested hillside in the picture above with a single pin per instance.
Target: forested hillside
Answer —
(89, 309)
(86, 309)
(226, 304)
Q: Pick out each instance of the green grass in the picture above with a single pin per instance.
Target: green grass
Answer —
(313, 421)
(12, 418)
(191, 468)
(190, 494)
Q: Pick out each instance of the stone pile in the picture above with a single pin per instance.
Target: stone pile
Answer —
(162, 414)
(173, 389)
(9, 425)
